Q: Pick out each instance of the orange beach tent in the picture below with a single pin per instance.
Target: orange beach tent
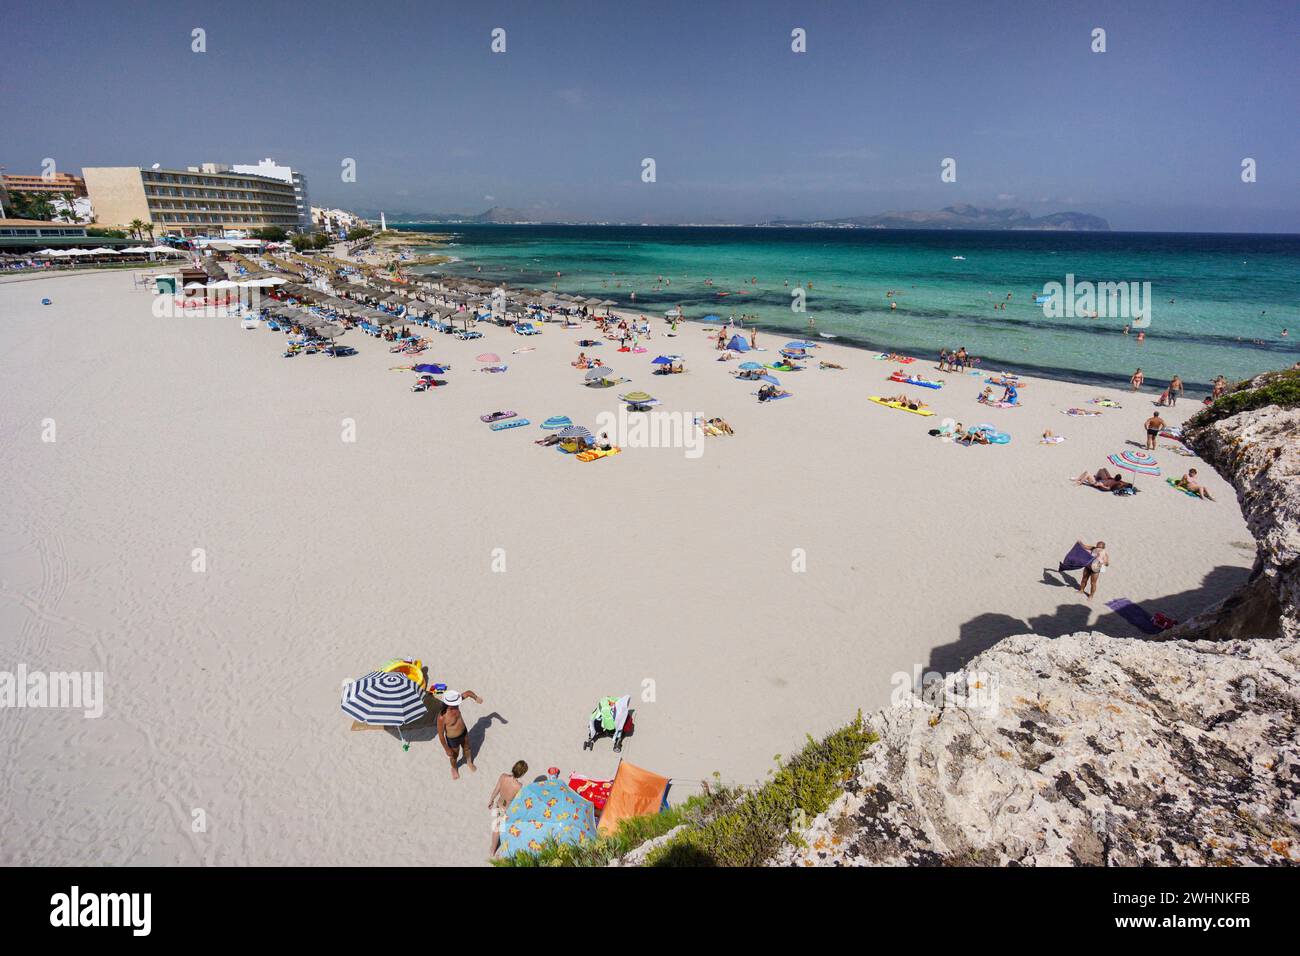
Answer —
(635, 793)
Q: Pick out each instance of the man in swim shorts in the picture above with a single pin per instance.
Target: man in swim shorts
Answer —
(1153, 425)
(452, 732)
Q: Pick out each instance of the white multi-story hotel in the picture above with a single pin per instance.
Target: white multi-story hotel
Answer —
(272, 170)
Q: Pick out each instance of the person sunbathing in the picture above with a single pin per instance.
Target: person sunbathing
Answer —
(1103, 480)
(831, 365)
(582, 361)
(1189, 484)
(721, 425)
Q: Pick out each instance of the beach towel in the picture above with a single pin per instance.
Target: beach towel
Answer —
(1173, 483)
(1135, 615)
(595, 791)
(1079, 413)
(508, 423)
(591, 455)
(1054, 440)
(1001, 404)
(1077, 559)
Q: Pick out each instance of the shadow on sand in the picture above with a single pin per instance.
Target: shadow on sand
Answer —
(983, 631)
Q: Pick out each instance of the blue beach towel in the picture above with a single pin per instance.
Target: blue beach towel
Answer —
(509, 423)
(1078, 558)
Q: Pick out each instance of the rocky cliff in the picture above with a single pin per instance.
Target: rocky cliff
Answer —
(1092, 750)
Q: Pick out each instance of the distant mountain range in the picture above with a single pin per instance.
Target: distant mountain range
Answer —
(960, 216)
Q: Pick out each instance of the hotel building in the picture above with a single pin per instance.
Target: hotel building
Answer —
(200, 200)
(56, 184)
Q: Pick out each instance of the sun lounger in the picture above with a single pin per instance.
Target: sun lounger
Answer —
(526, 328)
(915, 411)
(466, 334)
(508, 423)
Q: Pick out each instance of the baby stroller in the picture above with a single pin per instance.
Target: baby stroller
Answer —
(612, 716)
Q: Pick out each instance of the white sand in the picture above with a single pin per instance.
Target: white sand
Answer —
(324, 559)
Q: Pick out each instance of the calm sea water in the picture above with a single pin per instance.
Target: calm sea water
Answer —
(1219, 302)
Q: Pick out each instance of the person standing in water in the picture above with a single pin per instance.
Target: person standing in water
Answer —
(1136, 381)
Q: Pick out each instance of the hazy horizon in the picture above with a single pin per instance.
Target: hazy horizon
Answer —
(1149, 135)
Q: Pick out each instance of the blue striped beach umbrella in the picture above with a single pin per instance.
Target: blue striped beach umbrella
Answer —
(769, 378)
(558, 421)
(750, 366)
(575, 431)
(384, 699)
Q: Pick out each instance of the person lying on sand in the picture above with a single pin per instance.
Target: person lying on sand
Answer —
(1103, 480)
(1189, 483)
(831, 365)
(717, 426)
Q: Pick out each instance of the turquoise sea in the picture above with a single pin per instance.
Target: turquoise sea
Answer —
(1219, 303)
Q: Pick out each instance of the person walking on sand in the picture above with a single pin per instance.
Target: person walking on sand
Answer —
(507, 788)
(452, 732)
(1136, 381)
(1175, 389)
(1154, 425)
(1100, 562)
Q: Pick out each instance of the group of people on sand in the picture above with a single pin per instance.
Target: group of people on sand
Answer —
(584, 362)
(956, 361)
(1010, 395)
(907, 401)
(454, 737)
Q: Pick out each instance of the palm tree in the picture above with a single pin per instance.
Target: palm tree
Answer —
(149, 227)
(137, 228)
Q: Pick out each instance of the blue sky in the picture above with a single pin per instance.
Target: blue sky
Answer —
(1149, 134)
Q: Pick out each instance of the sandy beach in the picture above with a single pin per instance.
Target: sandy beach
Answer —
(765, 590)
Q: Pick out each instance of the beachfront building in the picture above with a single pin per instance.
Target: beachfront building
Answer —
(198, 201)
(338, 222)
(55, 184)
(271, 169)
(22, 236)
